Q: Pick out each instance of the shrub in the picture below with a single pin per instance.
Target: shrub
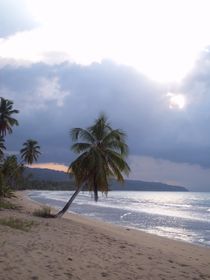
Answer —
(17, 223)
(44, 212)
(4, 204)
(5, 191)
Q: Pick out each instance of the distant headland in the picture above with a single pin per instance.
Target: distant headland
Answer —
(59, 180)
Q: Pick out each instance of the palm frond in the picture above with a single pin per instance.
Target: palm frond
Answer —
(80, 133)
(80, 147)
(116, 134)
(118, 161)
(100, 128)
(115, 139)
(115, 170)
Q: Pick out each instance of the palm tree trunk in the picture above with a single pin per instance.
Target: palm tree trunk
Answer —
(66, 207)
(95, 190)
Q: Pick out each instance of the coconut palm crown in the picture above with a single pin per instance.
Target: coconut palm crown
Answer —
(30, 151)
(102, 151)
(6, 119)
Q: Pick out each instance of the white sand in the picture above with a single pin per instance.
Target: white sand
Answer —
(75, 247)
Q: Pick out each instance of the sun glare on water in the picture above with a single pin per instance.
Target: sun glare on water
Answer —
(176, 101)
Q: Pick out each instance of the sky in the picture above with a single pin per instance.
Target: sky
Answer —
(144, 63)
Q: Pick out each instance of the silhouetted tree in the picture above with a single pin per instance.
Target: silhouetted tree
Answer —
(102, 152)
(6, 119)
(30, 151)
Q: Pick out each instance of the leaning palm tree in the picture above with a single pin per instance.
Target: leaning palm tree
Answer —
(102, 151)
(30, 151)
(6, 119)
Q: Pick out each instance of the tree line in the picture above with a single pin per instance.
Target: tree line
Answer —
(11, 170)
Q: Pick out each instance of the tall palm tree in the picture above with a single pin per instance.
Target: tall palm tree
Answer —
(102, 152)
(2, 147)
(6, 119)
(30, 151)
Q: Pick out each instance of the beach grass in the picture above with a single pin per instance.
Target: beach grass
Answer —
(5, 204)
(17, 223)
(44, 212)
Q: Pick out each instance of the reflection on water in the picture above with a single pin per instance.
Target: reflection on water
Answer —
(183, 216)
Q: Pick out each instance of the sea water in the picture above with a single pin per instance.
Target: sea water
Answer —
(178, 215)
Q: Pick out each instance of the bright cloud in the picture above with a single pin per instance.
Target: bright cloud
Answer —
(49, 90)
(159, 38)
(176, 101)
(38, 96)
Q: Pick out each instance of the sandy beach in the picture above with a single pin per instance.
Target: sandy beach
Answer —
(75, 247)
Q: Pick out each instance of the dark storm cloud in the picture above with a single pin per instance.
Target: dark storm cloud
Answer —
(14, 17)
(196, 132)
(53, 99)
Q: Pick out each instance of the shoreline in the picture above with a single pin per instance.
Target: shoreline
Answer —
(77, 247)
(82, 218)
(185, 238)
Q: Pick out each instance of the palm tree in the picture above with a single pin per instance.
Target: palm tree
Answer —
(30, 151)
(12, 170)
(102, 151)
(6, 119)
(2, 147)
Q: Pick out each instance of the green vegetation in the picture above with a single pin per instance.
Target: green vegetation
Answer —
(6, 119)
(30, 151)
(4, 204)
(48, 185)
(102, 152)
(2, 147)
(16, 223)
(44, 212)
(12, 174)
(11, 171)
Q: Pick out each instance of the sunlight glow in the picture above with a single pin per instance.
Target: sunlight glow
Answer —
(50, 165)
(148, 35)
(176, 101)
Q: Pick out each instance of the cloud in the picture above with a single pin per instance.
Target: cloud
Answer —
(49, 90)
(39, 96)
(50, 165)
(54, 98)
(85, 35)
(194, 177)
(14, 17)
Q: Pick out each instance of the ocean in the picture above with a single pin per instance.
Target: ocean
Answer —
(182, 216)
